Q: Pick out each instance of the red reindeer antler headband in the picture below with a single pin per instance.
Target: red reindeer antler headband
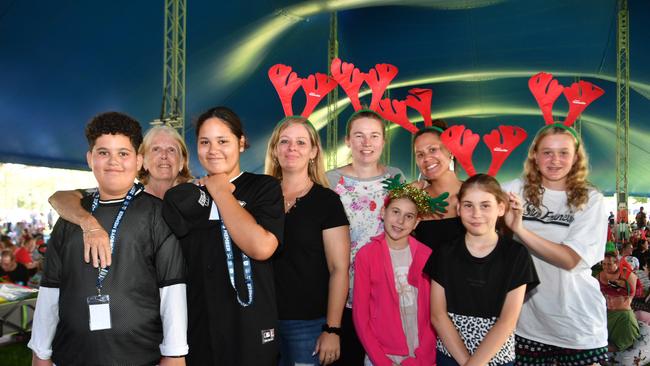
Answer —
(378, 78)
(317, 86)
(350, 79)
(286, 83)
(396, 111)
(546, 90)
(461, 142)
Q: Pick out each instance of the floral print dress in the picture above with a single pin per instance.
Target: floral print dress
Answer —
(362, 199)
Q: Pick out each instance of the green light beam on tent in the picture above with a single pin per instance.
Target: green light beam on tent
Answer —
(244, 57)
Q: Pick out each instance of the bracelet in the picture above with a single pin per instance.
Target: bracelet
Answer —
(91, 230)
(175, 356)
(333, 330)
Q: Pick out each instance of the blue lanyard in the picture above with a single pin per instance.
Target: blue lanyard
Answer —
(230, 260)
(103, 272)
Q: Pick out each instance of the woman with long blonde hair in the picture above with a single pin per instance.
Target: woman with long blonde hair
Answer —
(311, 268)
(561, 220)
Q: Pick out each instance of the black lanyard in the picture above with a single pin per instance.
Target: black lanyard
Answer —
(103, 272)
(230, 261)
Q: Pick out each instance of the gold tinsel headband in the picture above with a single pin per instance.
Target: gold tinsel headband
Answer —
(426, 205)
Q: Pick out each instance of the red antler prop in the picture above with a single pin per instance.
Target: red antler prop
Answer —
(395, 111)
(420, 100)
(378, 79)
(316, 88)
(350, 80)
(286, 83)
(580, 95)
(512, 137)
(546, 90)
(464, 149)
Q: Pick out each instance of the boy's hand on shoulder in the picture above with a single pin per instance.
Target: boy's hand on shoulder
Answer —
(172, 361)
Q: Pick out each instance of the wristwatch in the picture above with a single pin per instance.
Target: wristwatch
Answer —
(328, 329)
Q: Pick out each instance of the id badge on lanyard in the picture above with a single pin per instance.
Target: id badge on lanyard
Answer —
(99, 310)
(99, 307)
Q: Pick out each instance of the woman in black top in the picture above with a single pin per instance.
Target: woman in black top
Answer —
(228, 227)
(437, 168)
(311, 269)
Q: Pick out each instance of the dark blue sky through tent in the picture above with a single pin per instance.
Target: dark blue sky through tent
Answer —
(62, 62)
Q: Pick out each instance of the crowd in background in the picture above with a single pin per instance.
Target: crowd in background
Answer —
(624, 278)
(22, 250)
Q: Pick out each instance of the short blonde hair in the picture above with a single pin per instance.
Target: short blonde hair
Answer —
(184, 175)
(577, 186)
(316, 167)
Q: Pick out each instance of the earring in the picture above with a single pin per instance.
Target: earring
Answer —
(311, 161)
(451, 164)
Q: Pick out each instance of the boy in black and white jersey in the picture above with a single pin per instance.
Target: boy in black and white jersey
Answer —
(133, 312)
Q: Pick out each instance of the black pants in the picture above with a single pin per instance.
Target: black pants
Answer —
(352, 352)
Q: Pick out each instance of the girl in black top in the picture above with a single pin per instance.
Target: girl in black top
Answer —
(437, 168)
(311, 269)
(232, 309)
(479, 282)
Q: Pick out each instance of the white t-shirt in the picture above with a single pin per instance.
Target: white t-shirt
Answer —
(566, 309)
(401, 260)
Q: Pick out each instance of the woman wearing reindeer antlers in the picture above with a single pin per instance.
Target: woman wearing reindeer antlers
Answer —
(559, 218)
(311, 267)
(359, 184)
(436, 164)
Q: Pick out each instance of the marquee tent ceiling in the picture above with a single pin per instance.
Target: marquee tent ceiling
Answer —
(62, 62)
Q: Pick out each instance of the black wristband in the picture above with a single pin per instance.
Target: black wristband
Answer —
(334, 330)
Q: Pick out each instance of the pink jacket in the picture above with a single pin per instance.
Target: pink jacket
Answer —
(376, 312)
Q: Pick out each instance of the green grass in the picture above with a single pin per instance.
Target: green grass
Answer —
(15, 354)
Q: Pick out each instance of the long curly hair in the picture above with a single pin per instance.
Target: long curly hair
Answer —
(577, 185)
(316, 167)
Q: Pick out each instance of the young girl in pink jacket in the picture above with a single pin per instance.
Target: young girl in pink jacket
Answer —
(391, 293)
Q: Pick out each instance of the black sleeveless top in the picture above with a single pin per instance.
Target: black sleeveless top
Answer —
(434, 233)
